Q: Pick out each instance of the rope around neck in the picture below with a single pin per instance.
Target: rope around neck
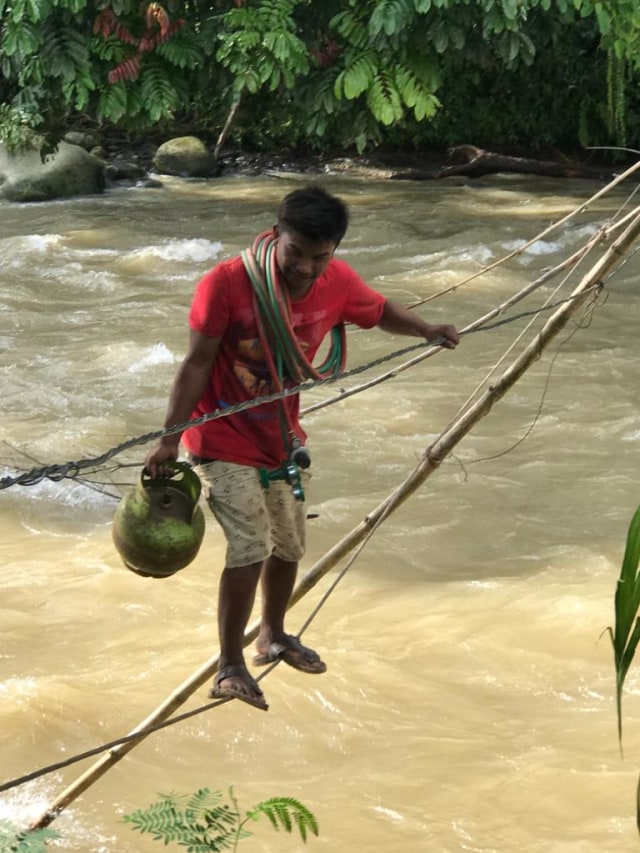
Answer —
(273, 313)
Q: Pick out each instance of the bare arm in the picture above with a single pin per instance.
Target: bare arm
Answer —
(398, 320)
(188, 387)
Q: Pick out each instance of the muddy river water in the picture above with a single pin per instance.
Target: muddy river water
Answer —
(469, 703)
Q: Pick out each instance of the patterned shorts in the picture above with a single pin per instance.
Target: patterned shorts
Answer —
(257, 522)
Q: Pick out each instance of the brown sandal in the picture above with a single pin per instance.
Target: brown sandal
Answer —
(290, 650)
(238, 670)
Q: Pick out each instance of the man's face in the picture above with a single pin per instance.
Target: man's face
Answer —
(300, 260)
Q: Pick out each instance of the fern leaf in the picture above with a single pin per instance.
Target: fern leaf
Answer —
(160, 819)
(351, 28)
(151, 39)
(64, 52)
(158, 93)
(356, 77)
(392, 16)
(306, 821)
(415, 94)
(20, 41)
(13, 840)
(198, 822)
(284, 812)
(384, 100)
(202, 800)
(182, 50)
(112, 104)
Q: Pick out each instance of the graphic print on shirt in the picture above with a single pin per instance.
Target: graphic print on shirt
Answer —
(251, 369)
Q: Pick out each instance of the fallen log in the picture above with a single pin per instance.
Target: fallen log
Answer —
(473, 162)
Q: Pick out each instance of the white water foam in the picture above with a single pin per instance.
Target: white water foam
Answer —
(158, 354)
(540, 247)
(196, 250)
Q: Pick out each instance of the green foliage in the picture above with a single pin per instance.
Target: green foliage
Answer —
(18, 129)
(341, 73)
(158, 94)
(201, 822)
(261, 46)
(14, 840)
(285, 813)
(55, 64)
(626, 632)
(198, 822)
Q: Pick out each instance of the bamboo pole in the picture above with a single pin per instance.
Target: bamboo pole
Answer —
(430, 461)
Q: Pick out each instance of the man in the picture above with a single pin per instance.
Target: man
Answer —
(245, 459)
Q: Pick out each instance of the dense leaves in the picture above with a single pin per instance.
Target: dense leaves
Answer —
(340, 74)
(204, 822)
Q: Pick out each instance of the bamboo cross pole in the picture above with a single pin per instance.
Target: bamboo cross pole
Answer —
(430, 461)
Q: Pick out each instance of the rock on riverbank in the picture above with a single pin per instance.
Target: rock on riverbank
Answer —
(70, 171)
(85, 164)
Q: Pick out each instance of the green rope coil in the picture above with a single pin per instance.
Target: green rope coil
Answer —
(273, 314)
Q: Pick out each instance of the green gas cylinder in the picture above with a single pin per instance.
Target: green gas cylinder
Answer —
(159, 526)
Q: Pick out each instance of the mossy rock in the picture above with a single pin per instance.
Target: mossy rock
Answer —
(69, 171)
(186, 157)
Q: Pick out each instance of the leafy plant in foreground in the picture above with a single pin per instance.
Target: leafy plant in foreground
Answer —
(201, 822)
(18, 129)
(14, 840)
(626, 632)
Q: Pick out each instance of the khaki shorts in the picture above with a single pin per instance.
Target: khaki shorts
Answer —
(257, 522)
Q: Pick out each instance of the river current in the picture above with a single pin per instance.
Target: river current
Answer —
(469, 703)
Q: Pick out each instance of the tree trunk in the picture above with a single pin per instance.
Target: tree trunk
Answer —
(473, 162)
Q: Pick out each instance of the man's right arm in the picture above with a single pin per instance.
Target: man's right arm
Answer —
(188, 387)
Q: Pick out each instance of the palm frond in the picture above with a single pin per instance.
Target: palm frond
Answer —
(626, 632)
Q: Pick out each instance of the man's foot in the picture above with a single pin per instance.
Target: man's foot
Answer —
(290, 650)
(234, 682)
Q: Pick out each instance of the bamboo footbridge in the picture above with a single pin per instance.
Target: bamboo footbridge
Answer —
(591, 267)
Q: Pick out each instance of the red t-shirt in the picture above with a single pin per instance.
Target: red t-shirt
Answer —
(223, 308)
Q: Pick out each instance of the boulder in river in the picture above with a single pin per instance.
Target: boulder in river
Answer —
(186, 157)
(70, 171)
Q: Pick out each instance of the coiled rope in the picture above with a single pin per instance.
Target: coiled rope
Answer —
(286, 360)
(273, 313)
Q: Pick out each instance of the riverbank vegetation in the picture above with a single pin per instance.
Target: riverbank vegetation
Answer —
(309, 76)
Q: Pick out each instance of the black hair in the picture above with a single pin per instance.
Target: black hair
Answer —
(315, 214)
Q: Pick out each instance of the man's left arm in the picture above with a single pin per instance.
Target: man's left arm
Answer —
(398, 320)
